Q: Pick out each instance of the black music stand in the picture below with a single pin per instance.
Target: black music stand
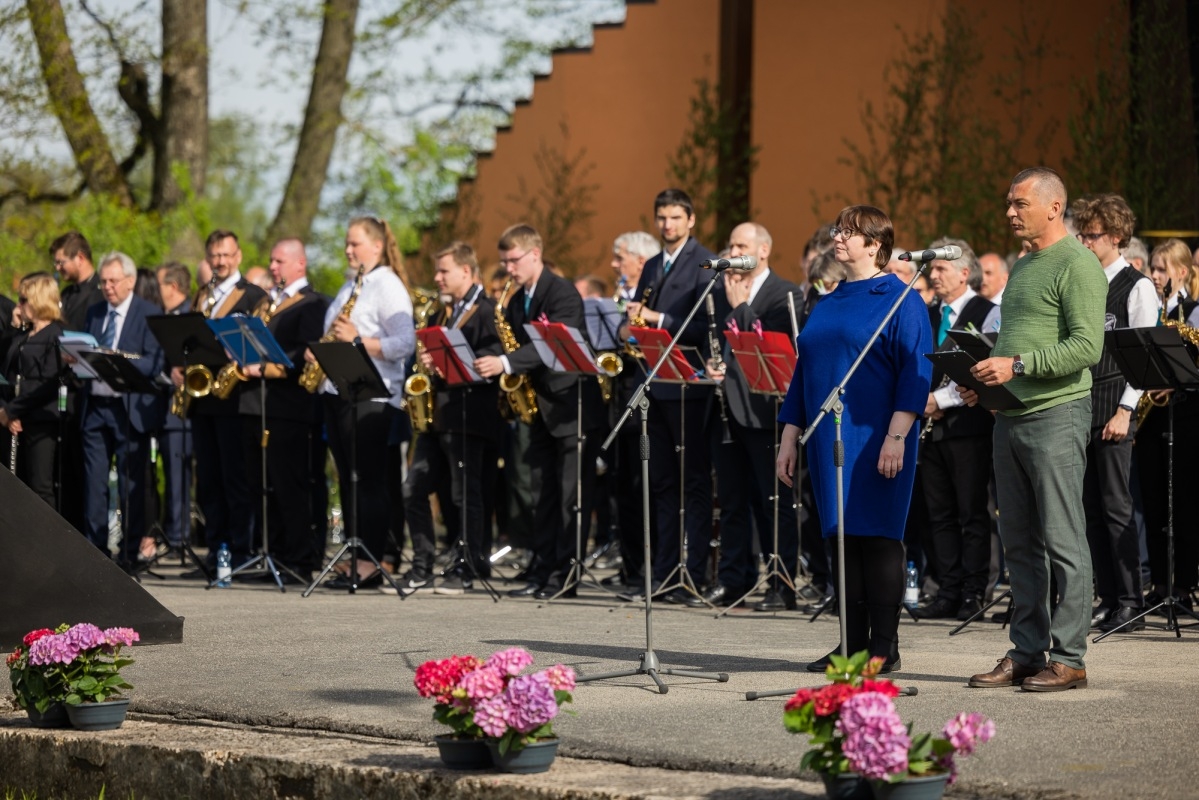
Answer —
(248, 339)
(187, 341)
(649, 664)
(356, 379)
(452, 360)
(1154, 359)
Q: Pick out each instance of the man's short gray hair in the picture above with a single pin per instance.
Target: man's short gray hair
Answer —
(974, 279)
(637, 243)
(1136, 249)
(127, 266)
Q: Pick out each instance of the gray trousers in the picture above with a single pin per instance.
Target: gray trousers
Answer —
(1040, 461)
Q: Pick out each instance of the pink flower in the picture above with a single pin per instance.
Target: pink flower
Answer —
(510, 661)
(561, 678)
(482, 684)
(491, 716)
(53, 649)
(531, 702)
(85, 636)
(876, 741)
(966, 731)
(120, 637)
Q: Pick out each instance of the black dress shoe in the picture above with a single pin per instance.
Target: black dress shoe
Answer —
(343, 582)
(970, 606)
(550, 591)
(776, 601)
(1120, 618)
(821, 664)
(1002, 617)
(940, 608)
(528, 590)
(718, 595)
(676, 598)
(1100, 616)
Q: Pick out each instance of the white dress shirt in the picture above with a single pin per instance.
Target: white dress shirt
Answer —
(947, 396)
(1142, 313)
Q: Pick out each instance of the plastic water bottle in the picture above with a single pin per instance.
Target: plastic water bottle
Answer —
(911, 592)
(224, 566)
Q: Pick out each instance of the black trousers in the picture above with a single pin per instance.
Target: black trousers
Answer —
(107, 435)
(672, 427)
(225, 494)
(955, 474)
(435, 460)
(175, 445)
(371, 443)
(37, 452)
(874, 573)
(288, 494)
(1150, 453)
(1111, 533)
(552, 463)
(746, 485)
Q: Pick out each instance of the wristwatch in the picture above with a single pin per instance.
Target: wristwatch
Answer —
(1017, 366)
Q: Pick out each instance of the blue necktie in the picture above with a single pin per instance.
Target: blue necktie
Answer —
(109, 334)
(943, 330)
(666, 265)
(528, 302)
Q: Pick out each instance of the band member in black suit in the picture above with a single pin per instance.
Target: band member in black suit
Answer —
(174, 284)
(745, 475)
(670, 286)
(955, 461)
(73, 261)
(116, 425)
(457, 443)
(551, 454)
(295, 315)
(222, 483)
(1105, 224)
(32, 362)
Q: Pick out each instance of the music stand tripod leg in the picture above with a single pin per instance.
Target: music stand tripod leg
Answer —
(980, 613)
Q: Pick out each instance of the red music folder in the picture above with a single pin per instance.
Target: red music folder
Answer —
(452, 355)
(653, 342)
(767, 359)
(568, 347)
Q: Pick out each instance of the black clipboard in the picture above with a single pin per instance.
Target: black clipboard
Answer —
(957, 363)
(977, 344)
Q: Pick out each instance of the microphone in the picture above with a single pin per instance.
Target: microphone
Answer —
(947, 253)
(736, 263)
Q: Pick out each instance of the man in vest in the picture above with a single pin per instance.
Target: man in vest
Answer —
(1105, 224)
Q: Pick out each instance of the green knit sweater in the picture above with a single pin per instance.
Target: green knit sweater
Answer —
(1053, 312)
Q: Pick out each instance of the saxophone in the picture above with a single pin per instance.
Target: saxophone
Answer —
(198, 380)
(521, 397)
(232, 374)
(418, 389)
(312, 376)
(1189, 335)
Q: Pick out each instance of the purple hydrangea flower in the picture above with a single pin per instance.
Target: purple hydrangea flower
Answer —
(510, 661)
(876, 740)
(86, 636)
(491, 716)
(53, 649)
(561, 678)
(482, 684)
(531, 702)
(967, 731)
(120, 637)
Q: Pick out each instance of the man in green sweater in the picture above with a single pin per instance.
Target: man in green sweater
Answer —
(1053, 313)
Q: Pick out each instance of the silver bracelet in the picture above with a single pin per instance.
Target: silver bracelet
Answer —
(899, 437)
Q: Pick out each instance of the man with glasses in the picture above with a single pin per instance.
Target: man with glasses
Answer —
(73, 261)
(1105, 224)
(116, 425)
(219, 436)
(552, 455)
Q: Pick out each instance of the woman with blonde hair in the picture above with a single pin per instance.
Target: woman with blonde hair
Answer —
(1171, 271)
(32, 367)
(381, 323)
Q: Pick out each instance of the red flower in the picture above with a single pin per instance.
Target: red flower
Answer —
(13, 657)
(828, 700)
(883, 687)
(33, 636)
(801, 697)
(438, 679)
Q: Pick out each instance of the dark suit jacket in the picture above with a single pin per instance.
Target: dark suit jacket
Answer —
(674, 294)
(559, 301)
(482, 401)
(769, 306)
(961, 421)
(244, 298)
(296, 322)
(174, 423)
(36, 358)
(77, 300)
(146, 411)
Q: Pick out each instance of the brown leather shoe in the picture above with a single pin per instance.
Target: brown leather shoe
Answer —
(1007, 673)
(1057, 677)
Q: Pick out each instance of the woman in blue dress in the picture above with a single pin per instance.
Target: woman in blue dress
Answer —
(878, 425)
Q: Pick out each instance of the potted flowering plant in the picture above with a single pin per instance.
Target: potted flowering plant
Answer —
(493, 702)
(36, 688)
(860, 745)
(86, 661)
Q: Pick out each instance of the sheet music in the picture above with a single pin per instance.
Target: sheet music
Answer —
(603, 322)
(544, 351)
(464, 352)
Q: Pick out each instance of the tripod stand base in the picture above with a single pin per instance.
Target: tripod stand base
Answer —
(649, 665)
(774, 569)
(268, 566)
(359, 547)
(1174, 608)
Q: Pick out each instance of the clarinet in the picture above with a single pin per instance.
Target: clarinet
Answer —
(714, 346)
(12, 453)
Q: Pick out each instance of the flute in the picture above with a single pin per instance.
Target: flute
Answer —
(12, 453)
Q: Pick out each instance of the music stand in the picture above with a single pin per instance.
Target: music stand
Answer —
(1153, 359)
(351, 370)
(649, 664)
(656, 344)
(249, 341)
(767, 359)
(187, 341)
(452, 360)
(570, 354)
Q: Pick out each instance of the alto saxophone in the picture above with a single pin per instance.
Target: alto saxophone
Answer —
(312, 376)
(198, 379)
(418, 389)
(232, 374)
(521, 396)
